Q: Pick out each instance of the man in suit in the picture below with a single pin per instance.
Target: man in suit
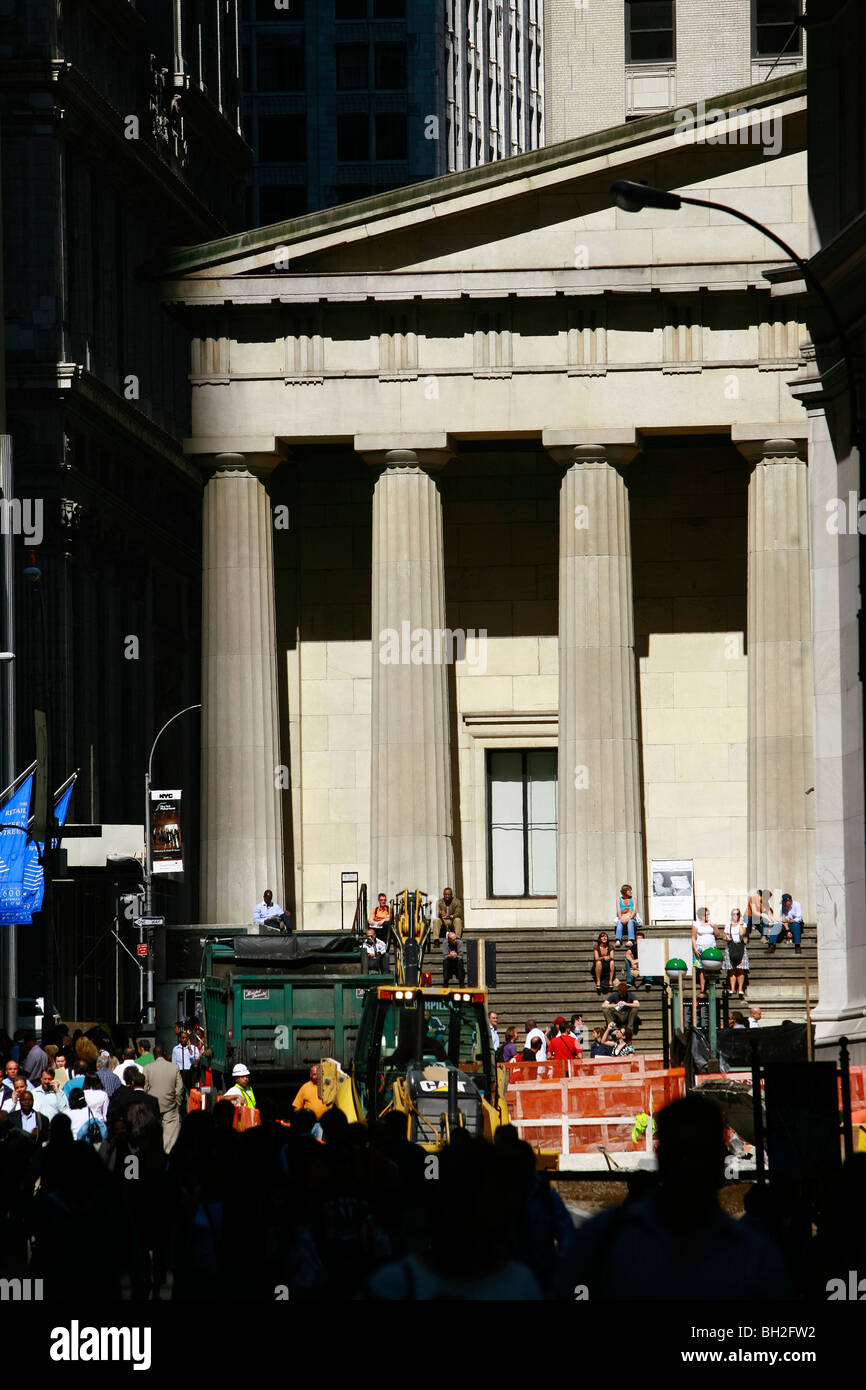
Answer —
(132, 1093)
(28, 1120)
(165, 1084)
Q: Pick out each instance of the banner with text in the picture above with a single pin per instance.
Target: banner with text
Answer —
(165, 832)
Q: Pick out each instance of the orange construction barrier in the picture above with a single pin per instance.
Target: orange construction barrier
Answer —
(857, 1077)
(577, 1114)
(556, 1070)
(245, 1118)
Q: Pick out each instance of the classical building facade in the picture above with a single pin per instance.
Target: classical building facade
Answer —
(348, 98)
(507, 541)
(832, 392)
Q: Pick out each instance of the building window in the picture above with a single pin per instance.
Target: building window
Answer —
(649, 31)
(353, 67)
(521, 823)
(353, 138)
(776, 28)
(282, 139)
(281, 203)
(389, 9)
(391, 136)
(280, 59)
(350, 9)
(391, 66)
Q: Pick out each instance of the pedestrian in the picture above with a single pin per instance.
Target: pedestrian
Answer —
(163, 1081)
(186, 1058)
(48, 1099)
(110, 1080)
(736, 953)
(791, 920)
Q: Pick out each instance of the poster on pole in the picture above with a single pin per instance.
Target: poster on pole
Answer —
(673, 890)
(166, 841)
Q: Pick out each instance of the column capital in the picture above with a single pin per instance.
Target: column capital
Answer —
(771, 450)
(418, 452)
(608, 455)
(225, 465)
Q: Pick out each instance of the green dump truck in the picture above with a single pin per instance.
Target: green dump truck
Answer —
(277, 1003)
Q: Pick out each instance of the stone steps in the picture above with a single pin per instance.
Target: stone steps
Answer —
(544, 972)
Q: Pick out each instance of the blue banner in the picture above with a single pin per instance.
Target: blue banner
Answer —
(33, 878)
(14, 819)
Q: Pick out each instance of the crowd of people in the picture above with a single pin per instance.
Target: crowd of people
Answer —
(320, 1209)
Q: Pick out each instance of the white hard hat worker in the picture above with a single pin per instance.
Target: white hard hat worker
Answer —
(241, 1092)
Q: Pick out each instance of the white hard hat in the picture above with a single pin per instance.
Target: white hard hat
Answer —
(240, 1070)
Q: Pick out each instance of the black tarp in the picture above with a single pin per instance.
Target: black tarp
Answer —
(300, 947)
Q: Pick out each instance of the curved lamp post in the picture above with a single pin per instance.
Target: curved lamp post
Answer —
(148, 854)
(632, 197)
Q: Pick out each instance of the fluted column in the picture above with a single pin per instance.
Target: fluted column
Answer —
(241, 820)
(411, 817)
(600, 834)
(781, 848)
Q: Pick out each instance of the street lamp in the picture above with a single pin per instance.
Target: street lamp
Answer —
(711, 965)
(148, 854)
(676, 971)
(632, 197)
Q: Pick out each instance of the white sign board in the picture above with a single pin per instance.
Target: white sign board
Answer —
(654, 956)
(672, 896)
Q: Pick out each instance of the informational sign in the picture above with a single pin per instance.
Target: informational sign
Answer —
(166, 842)
(141, 948)
(257, 994)
(672, 897)
(655, 952)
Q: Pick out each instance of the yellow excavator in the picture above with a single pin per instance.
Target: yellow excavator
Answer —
(424, 1050)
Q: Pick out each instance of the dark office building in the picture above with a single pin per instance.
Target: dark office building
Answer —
(120, 135)
(344, 98)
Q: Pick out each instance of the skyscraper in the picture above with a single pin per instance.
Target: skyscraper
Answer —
(344, 98)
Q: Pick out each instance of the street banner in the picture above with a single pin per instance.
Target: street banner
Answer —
(673, 890)
(165, 833)
(34, 876)
(14, 819)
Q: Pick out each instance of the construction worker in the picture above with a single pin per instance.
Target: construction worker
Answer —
(307, 1098)
(241, 1092)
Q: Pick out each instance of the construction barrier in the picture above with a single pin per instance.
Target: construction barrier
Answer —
(580, 1114)
(556, 1070)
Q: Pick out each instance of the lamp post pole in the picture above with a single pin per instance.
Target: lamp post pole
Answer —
(148, 855)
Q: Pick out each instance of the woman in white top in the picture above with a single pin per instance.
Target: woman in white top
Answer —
(736, 954)
(703, 937)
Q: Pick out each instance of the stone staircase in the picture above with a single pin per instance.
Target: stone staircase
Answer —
(543, 972)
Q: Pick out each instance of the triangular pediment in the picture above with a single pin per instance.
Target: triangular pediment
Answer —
(514, 212)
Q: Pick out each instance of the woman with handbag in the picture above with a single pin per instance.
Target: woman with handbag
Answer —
(736, 954)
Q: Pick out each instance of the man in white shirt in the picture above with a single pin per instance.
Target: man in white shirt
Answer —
(19, 1086)
(269, 914)
(47, 1101)
(792, 917)
(755, 1016)
(532, 1031)
(494, 1030)
(374, 952)
(186, 1058)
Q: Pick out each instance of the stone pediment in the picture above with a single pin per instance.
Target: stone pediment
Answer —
(535, 217)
